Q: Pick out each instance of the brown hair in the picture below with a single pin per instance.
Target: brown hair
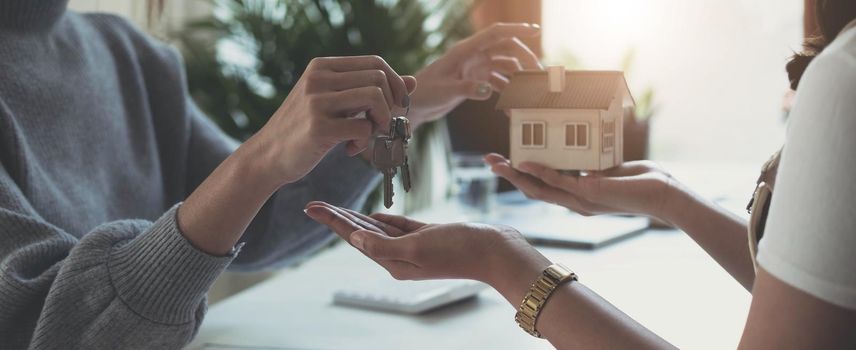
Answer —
(831, 16)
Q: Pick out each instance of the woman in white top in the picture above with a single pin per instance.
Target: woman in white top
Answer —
(804, 288)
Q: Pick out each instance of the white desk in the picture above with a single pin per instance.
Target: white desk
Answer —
(661, 278)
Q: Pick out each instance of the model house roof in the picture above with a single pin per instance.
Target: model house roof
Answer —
(579, 90)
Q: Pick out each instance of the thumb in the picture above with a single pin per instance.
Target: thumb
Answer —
(377, 246)
(474, 90)
(357, 131)
(409, 83)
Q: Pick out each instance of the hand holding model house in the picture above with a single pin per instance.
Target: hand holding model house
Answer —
(567, 120)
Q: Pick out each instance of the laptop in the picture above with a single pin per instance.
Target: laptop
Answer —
(551, 225)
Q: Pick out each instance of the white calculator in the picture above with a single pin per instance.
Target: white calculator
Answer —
(408, 297)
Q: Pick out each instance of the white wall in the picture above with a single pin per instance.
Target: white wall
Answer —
(717, 67)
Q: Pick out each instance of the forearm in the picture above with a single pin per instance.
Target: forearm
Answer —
(574, 317)
(719, 232)
(123, 282)
(218, 212)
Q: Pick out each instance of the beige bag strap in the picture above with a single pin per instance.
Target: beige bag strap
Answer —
(759, 205)
(768, 175)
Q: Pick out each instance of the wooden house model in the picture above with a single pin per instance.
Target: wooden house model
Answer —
(567, 120)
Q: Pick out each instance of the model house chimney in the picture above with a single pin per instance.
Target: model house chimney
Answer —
(556, 78)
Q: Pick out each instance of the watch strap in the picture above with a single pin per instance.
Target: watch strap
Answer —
(539, 292)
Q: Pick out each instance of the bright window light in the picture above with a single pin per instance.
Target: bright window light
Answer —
(716, 67)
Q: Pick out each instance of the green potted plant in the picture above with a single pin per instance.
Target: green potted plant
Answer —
(637, 121)
(637, 127)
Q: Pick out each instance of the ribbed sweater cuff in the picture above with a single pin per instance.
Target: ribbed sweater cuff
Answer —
(161, 276)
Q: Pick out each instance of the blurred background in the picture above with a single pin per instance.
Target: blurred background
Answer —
(716, 68)
(708, 75)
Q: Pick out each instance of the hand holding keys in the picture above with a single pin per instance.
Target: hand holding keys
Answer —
(390, 153)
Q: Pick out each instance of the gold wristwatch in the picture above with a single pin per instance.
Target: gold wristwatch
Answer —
(533, 302)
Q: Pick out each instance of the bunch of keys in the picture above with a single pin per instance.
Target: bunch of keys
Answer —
(390, 153)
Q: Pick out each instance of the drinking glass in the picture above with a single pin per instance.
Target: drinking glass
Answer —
(475, 185)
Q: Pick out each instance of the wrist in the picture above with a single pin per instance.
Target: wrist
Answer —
(673, 201)
(512, 269)
(680, 202)
(257, 165)
(215, 215)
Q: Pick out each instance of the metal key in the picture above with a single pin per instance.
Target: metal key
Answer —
(402, 130)
(390, 153)
(383, 158)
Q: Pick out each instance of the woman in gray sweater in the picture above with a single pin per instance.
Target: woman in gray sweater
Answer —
(120, 203)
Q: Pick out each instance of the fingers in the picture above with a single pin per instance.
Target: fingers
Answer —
(473, 90)
(353, 129)
(355, 147)
(513, 47)
(469, 89)
(358, 63)
(499, 32)
(505, 66)
(495, 158)
(369, 99)
(381, 247)
(410, 82)
(401, 222)
(355, 217)
(330, 218)
(582, 194)
(627, 169)
(535, 188)
(498, 82)
(566, 190)
(530, 186)
(364, 221)
(593, 194)
(341, 81)
(357, 136)
(373, 242)
(549, 176)
(390, 230)
(592, 188)
(363, 233)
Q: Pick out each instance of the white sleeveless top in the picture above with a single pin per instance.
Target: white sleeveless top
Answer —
(810, 238)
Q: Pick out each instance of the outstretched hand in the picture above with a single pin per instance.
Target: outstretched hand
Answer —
(472, 69)
(337, 100)
(640, 187)
(414, 250)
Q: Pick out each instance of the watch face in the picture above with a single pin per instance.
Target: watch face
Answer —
(553, 273)
(558, 272)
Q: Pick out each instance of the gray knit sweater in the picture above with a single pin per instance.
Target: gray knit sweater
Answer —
(99, 143)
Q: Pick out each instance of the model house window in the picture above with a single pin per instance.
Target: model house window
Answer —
(608, 136)
(576, 135)
(533, 134)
